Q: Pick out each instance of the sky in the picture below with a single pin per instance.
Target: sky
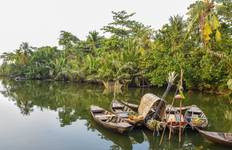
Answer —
(39, 22)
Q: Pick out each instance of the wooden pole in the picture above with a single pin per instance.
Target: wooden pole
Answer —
(180, 91)
(162, 136)
(180, 132)
(170, 133)
(169, 137)
(114, 90)
(172, 76)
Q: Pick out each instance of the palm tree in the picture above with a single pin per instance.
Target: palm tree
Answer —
(203, 13)
(93, 40)
(67, 40)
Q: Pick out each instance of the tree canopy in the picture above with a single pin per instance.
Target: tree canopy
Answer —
(137, 55)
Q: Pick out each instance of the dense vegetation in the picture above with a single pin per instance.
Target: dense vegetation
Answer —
(137, 55)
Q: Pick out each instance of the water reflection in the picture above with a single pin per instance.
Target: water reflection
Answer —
(71, 101)
(119, 141)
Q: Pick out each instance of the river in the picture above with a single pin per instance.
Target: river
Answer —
(43, 115)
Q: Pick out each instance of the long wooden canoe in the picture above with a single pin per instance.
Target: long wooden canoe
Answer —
(217, 137)
(135, 106)
(110, 120)
(195, 117)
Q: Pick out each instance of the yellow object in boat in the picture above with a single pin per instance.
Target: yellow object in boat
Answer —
(197, 121)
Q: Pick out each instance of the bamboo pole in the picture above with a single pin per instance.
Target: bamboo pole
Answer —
(180, 122)
(171, 78)
(170, 134)
(180, 91)
(169, 137)
(115, 89)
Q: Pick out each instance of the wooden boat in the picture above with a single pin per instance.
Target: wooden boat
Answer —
(174, 119)
(217, 137)
(131, 105)
(135, 106)
(120, 109)
(183, 108)
(195, 117)
(110, 120)
(126, 112)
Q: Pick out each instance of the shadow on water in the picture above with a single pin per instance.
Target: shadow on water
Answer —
(119, 141)
(71, 101)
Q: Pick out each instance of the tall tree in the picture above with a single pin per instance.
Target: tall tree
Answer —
(121, 25)
(67, 40)
(94, 40)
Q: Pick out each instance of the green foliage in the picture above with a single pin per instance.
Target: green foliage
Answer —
(229, 83)
(122, 25)
(137, 55)
(67, 40)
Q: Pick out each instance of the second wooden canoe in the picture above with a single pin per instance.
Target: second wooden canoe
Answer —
(195, 117)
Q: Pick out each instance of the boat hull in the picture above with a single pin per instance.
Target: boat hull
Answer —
(216, 137)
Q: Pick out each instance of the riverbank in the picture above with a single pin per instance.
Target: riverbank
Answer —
(137, 55)
(120, 86)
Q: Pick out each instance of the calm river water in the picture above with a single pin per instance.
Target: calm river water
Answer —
(55, 116)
